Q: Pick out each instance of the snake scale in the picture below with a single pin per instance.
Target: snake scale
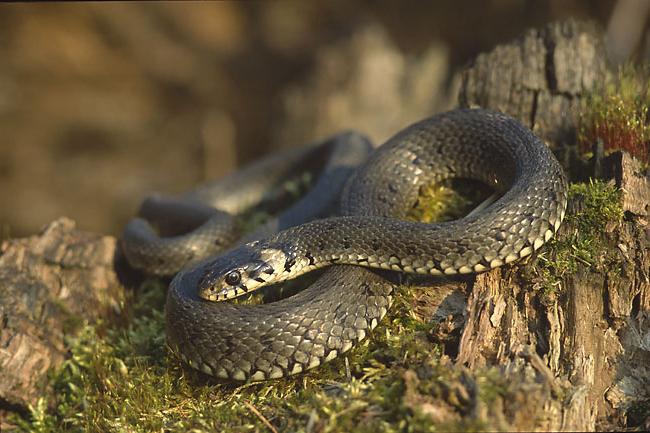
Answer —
(258, 342)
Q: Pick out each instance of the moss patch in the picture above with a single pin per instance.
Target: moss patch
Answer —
(594, 207)
(616, 114)
(125, 380)
(448, 200)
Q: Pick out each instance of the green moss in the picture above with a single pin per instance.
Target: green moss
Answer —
(448, 200)
(584, 242)
(71, 323)
(124, 379)
(616, 113)
(601, 204)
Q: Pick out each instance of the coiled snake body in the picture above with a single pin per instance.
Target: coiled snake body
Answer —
(298, 333)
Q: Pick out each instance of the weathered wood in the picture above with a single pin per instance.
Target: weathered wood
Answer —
(580, 336)
(589, 340)
(49, 284)
(631, 177)
(539, 78)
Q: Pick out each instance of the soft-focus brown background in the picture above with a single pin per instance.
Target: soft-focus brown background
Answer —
(100, 104)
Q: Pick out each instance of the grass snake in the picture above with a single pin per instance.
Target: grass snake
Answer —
(257, 342)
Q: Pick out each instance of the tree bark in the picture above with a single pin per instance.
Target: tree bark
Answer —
(540, 79)
(588, 345)
(50, 284)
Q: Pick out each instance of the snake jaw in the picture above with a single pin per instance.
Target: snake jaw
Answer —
(223, 286)
(239, 272)
(216, 294)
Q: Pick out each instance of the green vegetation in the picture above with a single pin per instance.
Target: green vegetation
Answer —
(447, 201)
(616, 114)
(125, 380)
(598, 207)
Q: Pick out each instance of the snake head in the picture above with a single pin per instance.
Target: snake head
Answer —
(237, 273)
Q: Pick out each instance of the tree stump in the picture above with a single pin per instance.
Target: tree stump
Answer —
(580, 354)
(540, 79)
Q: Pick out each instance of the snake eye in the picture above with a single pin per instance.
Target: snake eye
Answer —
(233, 278)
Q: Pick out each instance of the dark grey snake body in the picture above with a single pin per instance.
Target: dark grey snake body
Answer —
(202, 222)
(328, 318)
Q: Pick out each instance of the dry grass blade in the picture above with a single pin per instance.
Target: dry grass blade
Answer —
(260, 416)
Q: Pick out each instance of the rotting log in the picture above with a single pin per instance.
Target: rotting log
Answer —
(540, 79)
(576, 357)
(585, 341)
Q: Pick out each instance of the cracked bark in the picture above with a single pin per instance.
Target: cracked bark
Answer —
(49, 285)
(540, 79)
(590, 339)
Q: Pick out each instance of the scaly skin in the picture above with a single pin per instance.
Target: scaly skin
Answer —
(328, 318)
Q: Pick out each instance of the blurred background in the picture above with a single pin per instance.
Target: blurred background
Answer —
(101, 104)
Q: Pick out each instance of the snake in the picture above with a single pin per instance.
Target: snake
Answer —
(171, 233)
(365, 245)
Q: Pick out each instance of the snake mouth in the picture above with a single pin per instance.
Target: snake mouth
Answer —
(216, 294)
(229, 285)
(243, 270)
